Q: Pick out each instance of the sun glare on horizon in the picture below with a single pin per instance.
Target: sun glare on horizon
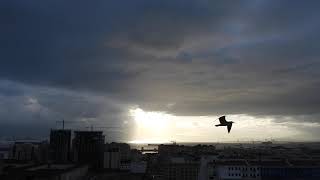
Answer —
(150, 126)
(161, 127)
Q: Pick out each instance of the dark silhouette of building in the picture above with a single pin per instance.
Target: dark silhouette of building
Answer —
(45, 172)
(111, 158)
(88, 148)
(29, 151)
(60, 142)
(124, 150)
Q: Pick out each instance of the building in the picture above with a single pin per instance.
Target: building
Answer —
(41, 154)
(111, 158)
(125, 165)
(88, 148)
(180, 168)
(124, 149)
(119, 175)
(263, 169)
(47, 172)
(213, 169)
(173, 149)
(138, 167)
(60, 146)
(236, 169)
(207, 167)
(26, 150)
(1, 166)
(4, 152)
(289, 169)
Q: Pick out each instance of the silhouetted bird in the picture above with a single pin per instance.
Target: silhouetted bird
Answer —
(223, 122)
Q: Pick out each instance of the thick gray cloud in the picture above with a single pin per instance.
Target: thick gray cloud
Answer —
(259, 58)
(33, 110)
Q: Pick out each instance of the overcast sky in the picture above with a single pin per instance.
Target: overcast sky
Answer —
(96, 62)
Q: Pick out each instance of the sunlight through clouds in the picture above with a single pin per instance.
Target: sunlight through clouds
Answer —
(159, 127)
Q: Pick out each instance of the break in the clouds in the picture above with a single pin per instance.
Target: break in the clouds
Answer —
(80, 60)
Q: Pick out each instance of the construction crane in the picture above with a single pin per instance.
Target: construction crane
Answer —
(63, 122)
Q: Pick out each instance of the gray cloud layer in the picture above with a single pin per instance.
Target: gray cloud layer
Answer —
(185, 57)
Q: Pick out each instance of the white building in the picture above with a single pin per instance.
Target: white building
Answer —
(228, 169)
(238, 172)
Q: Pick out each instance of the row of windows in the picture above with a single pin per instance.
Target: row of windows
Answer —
(243, 175)
(243, 168)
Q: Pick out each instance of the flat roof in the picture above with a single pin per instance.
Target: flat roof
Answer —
(51, 167)
(269, 163)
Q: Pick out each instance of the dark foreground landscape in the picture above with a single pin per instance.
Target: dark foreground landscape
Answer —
(86, 156)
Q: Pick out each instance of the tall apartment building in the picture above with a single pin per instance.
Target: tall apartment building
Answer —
(88, 148)
(60, 146)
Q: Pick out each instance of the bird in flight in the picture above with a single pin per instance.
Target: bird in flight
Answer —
(224, 122)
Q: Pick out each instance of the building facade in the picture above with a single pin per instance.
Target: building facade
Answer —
(88, 148)
(60, 146)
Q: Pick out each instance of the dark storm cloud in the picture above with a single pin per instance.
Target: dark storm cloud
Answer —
(29, 108)
(183, 57)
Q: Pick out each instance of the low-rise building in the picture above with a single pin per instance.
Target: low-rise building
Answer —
(36, 151)
(236, 169)
(289, 169)
(48, 172)
(180, 168)
(4, 152)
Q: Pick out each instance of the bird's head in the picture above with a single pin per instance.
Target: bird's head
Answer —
(231, 121)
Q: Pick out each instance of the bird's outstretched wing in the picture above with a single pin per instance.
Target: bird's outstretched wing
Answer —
(229, 127)
(222, 119)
